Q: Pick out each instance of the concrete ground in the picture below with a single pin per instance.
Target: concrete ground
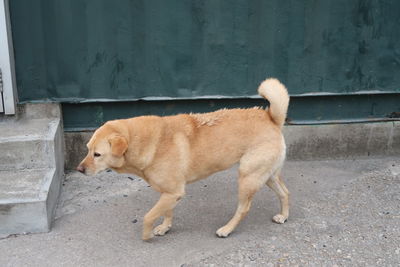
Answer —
(343, 212)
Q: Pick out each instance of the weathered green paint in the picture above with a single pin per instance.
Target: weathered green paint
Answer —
(85, 50)
(303, 110)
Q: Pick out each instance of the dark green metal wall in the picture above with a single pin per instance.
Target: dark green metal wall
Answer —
(89, 50)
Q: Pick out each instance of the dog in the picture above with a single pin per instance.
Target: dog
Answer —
(172, 151)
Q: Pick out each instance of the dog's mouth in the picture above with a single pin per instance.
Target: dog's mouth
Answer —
(89, 172)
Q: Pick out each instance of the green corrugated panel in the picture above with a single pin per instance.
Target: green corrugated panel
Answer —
(303, 110)
(83, 50)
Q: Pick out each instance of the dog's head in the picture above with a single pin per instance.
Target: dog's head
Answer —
(106, 150)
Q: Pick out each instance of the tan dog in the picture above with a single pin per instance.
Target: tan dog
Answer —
(169, 152)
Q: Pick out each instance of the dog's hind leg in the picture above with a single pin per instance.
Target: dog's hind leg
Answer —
(248, 186)
(255, 168)
(277, 185)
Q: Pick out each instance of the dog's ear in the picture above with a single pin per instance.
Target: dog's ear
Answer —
(119, 145)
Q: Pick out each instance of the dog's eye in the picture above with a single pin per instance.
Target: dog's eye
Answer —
(97, 154)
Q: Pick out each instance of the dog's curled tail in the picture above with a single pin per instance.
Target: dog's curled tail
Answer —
(276, 93)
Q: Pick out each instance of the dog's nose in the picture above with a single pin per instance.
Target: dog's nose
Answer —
(81, 169)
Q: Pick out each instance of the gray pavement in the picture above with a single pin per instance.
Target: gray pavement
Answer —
(343, 212)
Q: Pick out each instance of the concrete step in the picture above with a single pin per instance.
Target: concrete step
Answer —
(31, 168)
(28, 143)
(27, 200)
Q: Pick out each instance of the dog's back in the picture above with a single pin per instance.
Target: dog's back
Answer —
(219, 139)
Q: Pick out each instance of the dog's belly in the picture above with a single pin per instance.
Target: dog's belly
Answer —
(203, 167)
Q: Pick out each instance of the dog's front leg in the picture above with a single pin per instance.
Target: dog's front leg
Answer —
(163, 207)
(163, 228)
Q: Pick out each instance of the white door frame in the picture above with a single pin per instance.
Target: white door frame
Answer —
(8, 88)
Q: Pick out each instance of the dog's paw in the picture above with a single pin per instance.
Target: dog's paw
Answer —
(161, 229)
(279, 218)
(147, 236)
(223, 232)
